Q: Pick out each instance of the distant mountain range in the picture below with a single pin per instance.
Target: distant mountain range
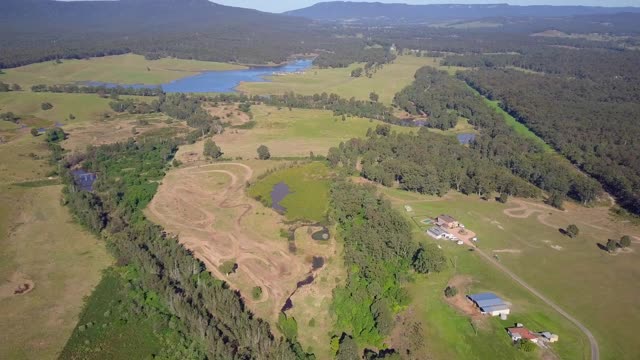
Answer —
(345, 11)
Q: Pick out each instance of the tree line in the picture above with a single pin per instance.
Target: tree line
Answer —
(100, 89)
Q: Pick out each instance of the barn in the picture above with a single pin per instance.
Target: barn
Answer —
(490, 303)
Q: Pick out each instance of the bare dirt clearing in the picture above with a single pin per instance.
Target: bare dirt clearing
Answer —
(206, 206)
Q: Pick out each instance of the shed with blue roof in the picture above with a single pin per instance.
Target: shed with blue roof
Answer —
(490, 303)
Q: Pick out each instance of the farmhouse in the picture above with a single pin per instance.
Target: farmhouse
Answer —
(490, 303)
(521, 333)
(447, 222)
(437, 232)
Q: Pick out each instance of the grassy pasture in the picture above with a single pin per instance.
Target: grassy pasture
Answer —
(42, 245)
(309, 186)
(571, 272)
(294, 133)
(120, 69)
(85, 107)
(386, 82)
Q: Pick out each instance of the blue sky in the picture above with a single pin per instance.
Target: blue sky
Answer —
(284, 5)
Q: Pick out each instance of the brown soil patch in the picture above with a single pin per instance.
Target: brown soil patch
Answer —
(228, 113)
(407, 336)
(17, 284)
(462, 304)
(207, 207)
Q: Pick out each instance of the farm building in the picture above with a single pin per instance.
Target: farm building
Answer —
(549, 337)
(437, 232)
(490, 303)
(447, 221)
(520, 332)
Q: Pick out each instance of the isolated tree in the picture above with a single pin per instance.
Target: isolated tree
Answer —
(263, 152)
(356, 73)
(383, 130)
(55, 135)
(46, 106)
(572, 230)
(34, 131)
(450, 291)
(625, 241)
(612, 245)
(211, 149)
(348, 349)
(428, 259)
(72, 117)
(374, 97)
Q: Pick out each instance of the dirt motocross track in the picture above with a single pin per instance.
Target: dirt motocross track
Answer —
(206, 206)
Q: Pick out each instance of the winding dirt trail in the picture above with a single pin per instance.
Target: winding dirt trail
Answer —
(210, 217)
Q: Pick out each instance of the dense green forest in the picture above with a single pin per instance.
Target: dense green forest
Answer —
(212, 314)
(593, 123)
(444, 98)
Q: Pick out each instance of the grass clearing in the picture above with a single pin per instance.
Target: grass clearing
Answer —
(309, 191)
(119, 69)
(386, 82)
(571, 272)
(294, 133)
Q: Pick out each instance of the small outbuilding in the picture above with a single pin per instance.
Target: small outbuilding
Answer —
(408, 208)
(522, 333)
(447, 221)
(549, 337)
(490, 303)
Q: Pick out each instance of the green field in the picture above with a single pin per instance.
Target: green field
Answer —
(386, 82)
(120, 69)
(294, 133)
(309, 191)
(563, 269)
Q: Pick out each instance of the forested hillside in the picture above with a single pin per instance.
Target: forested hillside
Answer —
(40, 30)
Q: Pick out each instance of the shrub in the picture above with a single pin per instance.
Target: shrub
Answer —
(256, 292)
(228, 267)
(46, 106)
(572, 230)
(450, 291)
(625, 241)
(263, 152)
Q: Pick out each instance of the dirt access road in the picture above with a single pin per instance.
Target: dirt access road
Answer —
(595, 351)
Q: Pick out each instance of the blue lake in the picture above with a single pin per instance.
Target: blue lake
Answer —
(222, 81)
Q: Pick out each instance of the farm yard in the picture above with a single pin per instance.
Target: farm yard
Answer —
(525, 237)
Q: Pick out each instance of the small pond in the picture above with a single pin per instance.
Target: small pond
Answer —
(321, 235)
(84, 180)
(221, 81)
(278, 193)
(466, 139)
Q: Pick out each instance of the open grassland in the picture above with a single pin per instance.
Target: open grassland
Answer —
(120, 69)
(385, 82)
(588, 282)
(23, 158)
(293, 133)
(207, 206)
(309, 191)
(61, 263)
(84, 107)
